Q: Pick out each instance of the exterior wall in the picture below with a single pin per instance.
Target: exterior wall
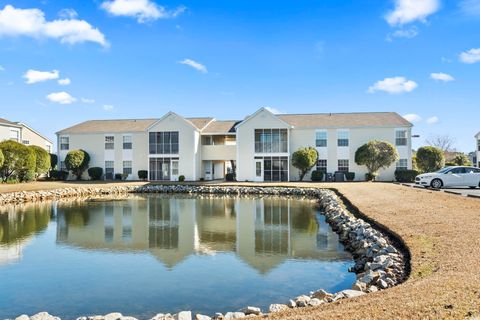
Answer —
(36, 140)
(246, 142)
(219, 152)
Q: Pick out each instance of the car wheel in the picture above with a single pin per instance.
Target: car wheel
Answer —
(436, 184)
(473, 187)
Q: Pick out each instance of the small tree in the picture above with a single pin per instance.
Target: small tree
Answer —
(42, 160)
(461, 159)
(18, 160)
(77, 162)
(376, 155)
(430, 159)
(304, 159)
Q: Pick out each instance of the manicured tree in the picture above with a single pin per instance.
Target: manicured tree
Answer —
(461, 160)
(376, 155)
(304, 159)
(27, 172)
(42, 160)
(77, 161)
(430, 159)
(18, 159)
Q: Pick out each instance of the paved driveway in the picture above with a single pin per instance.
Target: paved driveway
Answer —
(459, 191)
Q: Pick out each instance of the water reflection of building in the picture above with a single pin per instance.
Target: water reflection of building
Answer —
(263, 232)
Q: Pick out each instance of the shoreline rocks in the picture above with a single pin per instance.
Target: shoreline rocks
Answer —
(378, 264)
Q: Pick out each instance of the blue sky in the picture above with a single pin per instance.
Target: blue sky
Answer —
(142, 58)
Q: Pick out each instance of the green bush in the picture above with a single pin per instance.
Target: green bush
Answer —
(317, 176)
(95, 173)
(406, 175)
(124, 176)
(42, 160)
(118, 176)
(53, 161)
(350, 176)
(461, 159)
(143, 174)
(304, 159)
(77, 162)
(26, 176)
(369, 177)
(59, 175)
(450, 164)
(2, 158)
(230, 177)
(430, 159)
(181, 178)
(18, 160)
(376, 155)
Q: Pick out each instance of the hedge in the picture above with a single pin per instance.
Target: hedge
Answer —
(143, 174)
(406, 175)
(317, 176)
(95, 173)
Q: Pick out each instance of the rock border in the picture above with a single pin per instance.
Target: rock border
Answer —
(378, 263)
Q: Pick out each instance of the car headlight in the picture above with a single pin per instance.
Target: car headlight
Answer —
(426, 177)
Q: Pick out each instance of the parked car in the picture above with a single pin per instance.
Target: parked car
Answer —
(450, 177)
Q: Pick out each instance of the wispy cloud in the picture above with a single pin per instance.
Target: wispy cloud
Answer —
(108, 107)
(470, 7)
(87, 101)
(412, 117)
(407, 11)
(403, 33)
(64, 82)
(67, 13)
(470, 56)
(142, 10)
(194, 64)
(61, 97)
(433, 120)
(440, 76)
(35, 76)
(32, 23)
(395, 85)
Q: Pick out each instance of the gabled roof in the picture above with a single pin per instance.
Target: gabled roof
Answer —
(200, 123)
(35, 131)
(222, 126)
(257, 112)
(346, 120)
(9, 123)
(110, 126)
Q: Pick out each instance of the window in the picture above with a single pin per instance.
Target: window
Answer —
(258, 169)
(207, 140)
(321, 138)
(109, 168)
(174, 167)
(402, 164)
(478, 144)
(160, 168)
(14, 135)
(127, 142)
(64, 143)
(275, 169)
(109, 142)
(163, 142)
(342, 138)
(343, 165)
(322, 165)
(271, 141)
(62, 166)
(49, 148)
(26, 142)
(127, 167)
(401, 137)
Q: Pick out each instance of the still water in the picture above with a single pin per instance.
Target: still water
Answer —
(146, 254)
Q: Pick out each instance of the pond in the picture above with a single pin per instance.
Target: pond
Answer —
(146, 254)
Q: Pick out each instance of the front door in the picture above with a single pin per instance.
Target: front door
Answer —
(208, 170)
(258, 169)
(174, 170)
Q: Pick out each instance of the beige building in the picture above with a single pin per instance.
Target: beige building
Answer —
(24, 134)
(258, 148)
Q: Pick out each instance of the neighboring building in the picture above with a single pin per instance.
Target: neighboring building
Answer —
(24, 134)
(257, 148)
(477, 150)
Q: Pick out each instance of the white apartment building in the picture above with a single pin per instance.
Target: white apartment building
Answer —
(477, 150)
(20, 132)
(258, 148)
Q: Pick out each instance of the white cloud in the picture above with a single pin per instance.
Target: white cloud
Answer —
(107, 107)
(142, 10)
(433, 120)
(393, 85)
(470, 7)
(407, 11)
(31, 22)
(470, 56)
(64, 82)
(61, 97)
(87, 101)
(196, 65)
(274, 110)
(67, 13)
(34, 76)
(403, 33)
(412, 117)
(441, 77)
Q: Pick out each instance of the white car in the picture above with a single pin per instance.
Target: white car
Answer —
(450, 177)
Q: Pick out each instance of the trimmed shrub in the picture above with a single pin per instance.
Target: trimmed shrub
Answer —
(18, 160)
(53, 161)
(118, 176)
(369, 177)
(406, 175)
(124, 176)
(317, 175)
(230, 177)
(350, 176)
(95, 173)
(42, 160)
(430, 159)
(376, 155)
(26, 176)
(181, 178)
(143, 174)
(59, 175)
(462, 159)
(77, 162)
(304, 159)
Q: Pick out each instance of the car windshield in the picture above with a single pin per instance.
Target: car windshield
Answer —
(444, 170)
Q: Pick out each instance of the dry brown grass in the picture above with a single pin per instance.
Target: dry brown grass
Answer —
(442, 233)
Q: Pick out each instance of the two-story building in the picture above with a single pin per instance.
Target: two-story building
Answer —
(22, 133)
(258, 148)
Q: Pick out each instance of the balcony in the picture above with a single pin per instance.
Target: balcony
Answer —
(219, 152)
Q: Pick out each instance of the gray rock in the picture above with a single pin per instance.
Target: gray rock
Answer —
(322, 295)
(315, 302)
(291, 304)
(113, 316)
(251, 310)
(23, 317)
(302, 301)
(202, 317)
(351, 293)
(234, 315)
(382, 284)
(359, 286)
(43, 316)
(277, 307)
(372, 289)
(183, 315)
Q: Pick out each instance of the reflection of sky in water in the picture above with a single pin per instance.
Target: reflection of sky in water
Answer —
(166, 254)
